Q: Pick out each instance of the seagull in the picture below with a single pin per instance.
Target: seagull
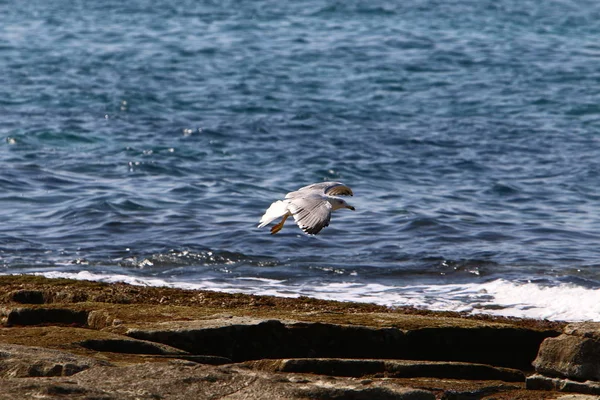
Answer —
(311, 207)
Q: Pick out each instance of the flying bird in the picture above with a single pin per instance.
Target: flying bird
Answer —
(311, 207)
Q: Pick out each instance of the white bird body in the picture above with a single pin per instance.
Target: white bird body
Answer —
(277, 210)
(311, 206)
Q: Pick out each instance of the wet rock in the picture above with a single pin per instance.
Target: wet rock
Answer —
(24, 361)
(573, 355)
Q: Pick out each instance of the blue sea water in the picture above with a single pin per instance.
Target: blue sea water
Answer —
(142, 141)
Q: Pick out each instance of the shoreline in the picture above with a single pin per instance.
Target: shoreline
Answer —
(288, 346)
(498, 297)
(82, 289)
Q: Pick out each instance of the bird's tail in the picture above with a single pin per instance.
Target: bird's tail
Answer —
(277, 210)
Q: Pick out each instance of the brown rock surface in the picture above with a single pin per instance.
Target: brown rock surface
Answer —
(573, 355)
(243, 338)
(18, 361)
(540, 382)
(185, 380)
(115, 342)
(589, 330)
(390, 368)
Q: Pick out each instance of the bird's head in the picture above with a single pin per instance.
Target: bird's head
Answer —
(341, 203)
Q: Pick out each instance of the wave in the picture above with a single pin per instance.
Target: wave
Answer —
(560, 302)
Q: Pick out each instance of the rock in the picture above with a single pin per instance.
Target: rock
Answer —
(182, 380)
(238, 339)
(242, 339)
(504, 346)
(39, 316)
(332, 340)
(209, 360)
(390, 368)
(452, 370)
(131, 346)
(540, 382)
(322, 366)
(178, 344)
(327, 392)
(27, 296)
(589, 330)
(99, 319)
(50, 388)
(23, 361)
(573, 355)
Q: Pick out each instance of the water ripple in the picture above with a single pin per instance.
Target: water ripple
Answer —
(137, 139)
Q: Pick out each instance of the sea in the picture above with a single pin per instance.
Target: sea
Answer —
(141, 141)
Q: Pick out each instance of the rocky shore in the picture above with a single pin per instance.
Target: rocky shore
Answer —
(65, 339)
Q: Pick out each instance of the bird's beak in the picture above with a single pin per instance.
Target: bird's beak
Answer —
(352, 208)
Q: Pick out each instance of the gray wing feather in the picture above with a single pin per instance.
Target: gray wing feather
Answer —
(339, 189)
(311, 213)
(330, 188)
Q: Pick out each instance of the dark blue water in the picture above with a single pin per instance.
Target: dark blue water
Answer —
(144, 139)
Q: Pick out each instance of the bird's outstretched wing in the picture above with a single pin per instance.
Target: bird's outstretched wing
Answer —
(312, 213)
(328, 188)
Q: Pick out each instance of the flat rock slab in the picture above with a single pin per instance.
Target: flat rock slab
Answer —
(390, 368)
(200, 359)
(130, 346)
(540, 382)
(184, 380)
(83, 341)
(242, 339)
(18, 361)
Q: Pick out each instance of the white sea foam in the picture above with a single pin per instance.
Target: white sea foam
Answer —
(500, 297)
